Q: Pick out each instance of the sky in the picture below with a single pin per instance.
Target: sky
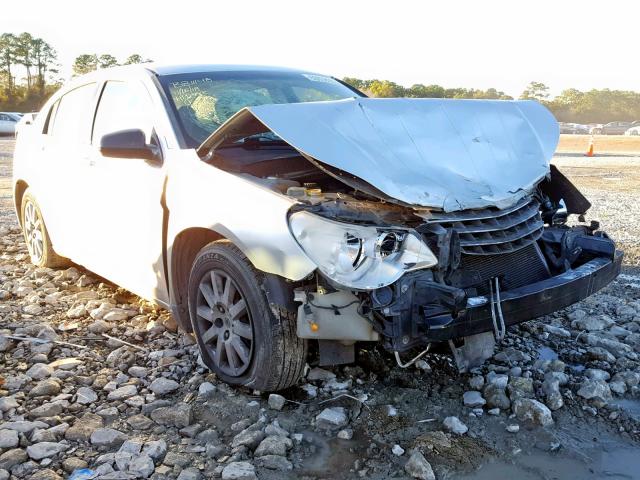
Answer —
(474, 44)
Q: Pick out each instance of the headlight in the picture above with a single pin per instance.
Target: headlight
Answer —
(356, 256)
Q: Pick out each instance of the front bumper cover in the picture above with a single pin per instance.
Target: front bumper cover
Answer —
(518, 305)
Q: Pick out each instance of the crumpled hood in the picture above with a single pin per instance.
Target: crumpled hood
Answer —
(447, 154)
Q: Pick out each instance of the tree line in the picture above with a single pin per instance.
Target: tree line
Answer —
(572, 105)
(29, 70)
(29, 74)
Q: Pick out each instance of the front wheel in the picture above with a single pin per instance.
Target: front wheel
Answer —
(243, 339)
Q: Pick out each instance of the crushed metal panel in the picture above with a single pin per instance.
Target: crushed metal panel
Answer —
(447, 154)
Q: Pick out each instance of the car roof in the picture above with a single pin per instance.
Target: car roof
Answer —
(164, 69)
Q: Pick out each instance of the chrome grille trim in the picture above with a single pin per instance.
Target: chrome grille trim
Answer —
(492, 231)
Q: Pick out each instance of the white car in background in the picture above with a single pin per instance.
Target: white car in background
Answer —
(8, 122)
(633, 131)
(268, 208)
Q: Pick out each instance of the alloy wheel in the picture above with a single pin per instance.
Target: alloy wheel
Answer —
(224, 322)
(33, 232)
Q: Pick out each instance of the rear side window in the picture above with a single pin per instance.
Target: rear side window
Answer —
(72, 121)
(123, 106)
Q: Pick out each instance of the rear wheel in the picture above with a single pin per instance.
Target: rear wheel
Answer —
(243, 339)
(36, 235)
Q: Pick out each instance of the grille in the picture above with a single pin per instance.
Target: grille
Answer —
(491, 231)
(515, 269)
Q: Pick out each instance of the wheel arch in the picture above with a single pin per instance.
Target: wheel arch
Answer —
(182, 253)
(18, 194)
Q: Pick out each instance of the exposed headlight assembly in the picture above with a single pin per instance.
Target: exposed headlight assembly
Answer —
(356, 256)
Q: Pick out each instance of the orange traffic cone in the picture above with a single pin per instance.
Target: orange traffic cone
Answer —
(590, 151)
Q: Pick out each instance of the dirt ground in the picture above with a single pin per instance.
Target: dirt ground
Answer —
(560, 399)
(603, 144)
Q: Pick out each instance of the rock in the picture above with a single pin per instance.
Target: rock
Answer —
(85, 396)
(597, 374)
(599, 353)
(276, 402)
(141, 466)
(9, 439)
(23, 426)
(513, 428)
(418, 467)
(140, 422)
(138, 372)
(632, 379)
(99, 327)
(520, 387)
(551, 388)
(41, 450)
(82, 429)
(496, 397)
(558, 331)
(476, 382)
(115, 315)
(46, 474)
(8, 403)
(346, 434)
(274, 462)
(619, 388)
(273, 445)
(73, 463)
(190, 474)
(320, 374)
(48, 387)
(121, 358)
(390, 411)
(527, 409)
(107, 437)
(39, 371)
(592, 323)
(454, 425)
(239, 471)
(11, 458)
(473, 399)
(249, 437)
(595, 390)
(206, 389)
(162, 386)
(123, 393)
(156, 449)
(397, 450)
(180, 415)
(32, 309)
(499, 380)
(512, 355)
(50, 409)
(330, 418)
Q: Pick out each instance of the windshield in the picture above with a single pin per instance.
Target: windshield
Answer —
(204, 101)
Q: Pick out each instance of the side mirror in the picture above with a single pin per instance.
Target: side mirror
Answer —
(128, 144)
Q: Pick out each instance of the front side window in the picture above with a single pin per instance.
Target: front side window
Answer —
(72, 122)
(204, 101)
(123, 106)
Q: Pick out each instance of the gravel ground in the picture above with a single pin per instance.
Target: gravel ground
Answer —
(559, 399)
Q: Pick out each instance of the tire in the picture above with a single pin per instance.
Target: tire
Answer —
(36, 235)
(243, 339)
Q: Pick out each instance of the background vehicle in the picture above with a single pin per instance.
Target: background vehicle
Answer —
(633, 131)
(269, 207)
(8, 121)
(25, 121)
(611, 128)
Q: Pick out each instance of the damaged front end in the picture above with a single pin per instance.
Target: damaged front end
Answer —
(463, 258)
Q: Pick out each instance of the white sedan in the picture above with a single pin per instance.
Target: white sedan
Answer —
(8, 122)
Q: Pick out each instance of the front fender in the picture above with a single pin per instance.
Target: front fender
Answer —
(253, 217)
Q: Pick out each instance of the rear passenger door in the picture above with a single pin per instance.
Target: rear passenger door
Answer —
(125, 196)
(59, 179)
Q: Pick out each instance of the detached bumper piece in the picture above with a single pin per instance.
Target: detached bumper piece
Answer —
(426, 310)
